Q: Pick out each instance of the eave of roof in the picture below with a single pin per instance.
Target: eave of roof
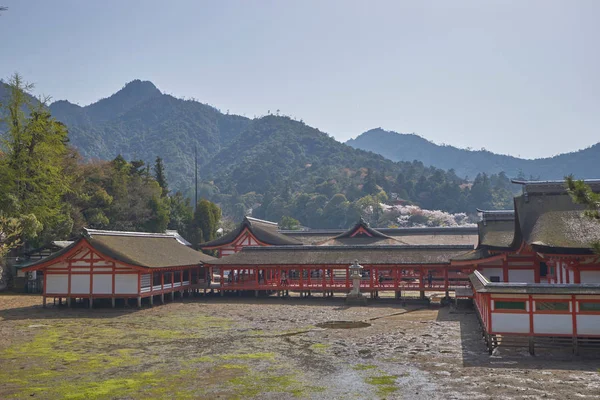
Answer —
(482, 285)
(341, 255)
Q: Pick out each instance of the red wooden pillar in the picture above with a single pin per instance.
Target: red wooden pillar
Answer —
(574, 314)
(446, 282)
(347, 277)
(323, 271)
(301, 280)
(505, 269)
(531, 327)
(421, 276)
(536, 271)
(256, 277)
(395, 275)
(576, 275)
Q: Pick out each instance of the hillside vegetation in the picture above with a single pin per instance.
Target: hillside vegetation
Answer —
(468, 163)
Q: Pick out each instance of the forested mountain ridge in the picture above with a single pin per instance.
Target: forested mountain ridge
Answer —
(273, 166)
(140, 122)
(468, 163)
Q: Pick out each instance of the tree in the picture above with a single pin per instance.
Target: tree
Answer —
(34, 180)
(583, 194)
(159, 175)
(204, 225)
(289, 223)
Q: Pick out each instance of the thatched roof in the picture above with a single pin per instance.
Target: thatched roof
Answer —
(551, 222)
(148, 250)
(459, 235)
(360, 234)
(265, 231)
(342, 255)
(496, 230)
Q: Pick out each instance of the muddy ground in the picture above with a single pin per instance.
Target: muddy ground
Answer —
(270, 349)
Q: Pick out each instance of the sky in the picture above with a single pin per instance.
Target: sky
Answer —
(513, 77)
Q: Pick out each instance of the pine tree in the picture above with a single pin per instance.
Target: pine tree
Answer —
(583, 194)
(159, 175)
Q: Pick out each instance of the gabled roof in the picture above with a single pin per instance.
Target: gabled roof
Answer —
(360, 234)
(342, 255)
(141, 249)
(264, 231)
(496, 230)
(552, 223)
(447, 235)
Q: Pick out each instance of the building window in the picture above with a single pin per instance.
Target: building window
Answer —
(509, 305)
(552, 306)
(543, 270)
(593, 307)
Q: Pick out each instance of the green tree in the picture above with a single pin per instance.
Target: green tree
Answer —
(204, 225)
(289, 223)
(583, 194)
(34, 180)
(159, 175)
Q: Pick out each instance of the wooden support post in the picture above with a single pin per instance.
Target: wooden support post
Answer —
(60, 301)
(91, 302)
(44, 302)
(151, 300)
(422, 295)
(256, 293)
(139, 301)
(162, 298)
(222, 292)
(575, 346)
(532, 346)
(68, 302)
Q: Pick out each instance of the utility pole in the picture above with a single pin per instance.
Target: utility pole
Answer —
(196, 176)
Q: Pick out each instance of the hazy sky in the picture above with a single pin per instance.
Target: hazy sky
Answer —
(516, 77)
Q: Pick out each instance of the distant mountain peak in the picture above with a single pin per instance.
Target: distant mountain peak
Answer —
(140, 86)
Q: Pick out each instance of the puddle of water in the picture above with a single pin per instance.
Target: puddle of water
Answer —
(343, 324)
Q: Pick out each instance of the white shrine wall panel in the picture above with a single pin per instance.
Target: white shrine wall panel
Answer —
(588, 325)
(489, 272)
(521, 275)
(571, 277)
(80, 284)
(510, 322)
(57, 283)
(102, 284)
(590, 276)
(553, 323)
(126, 284)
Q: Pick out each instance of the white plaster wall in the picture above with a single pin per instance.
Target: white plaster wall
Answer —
(487, 272)
(588, 325)
(510, 323)
(553, 323)
(56, 283)
(102, 284)
(521, 276)
(571, 277)
(590, 276)
(126, 284)
(80, 284)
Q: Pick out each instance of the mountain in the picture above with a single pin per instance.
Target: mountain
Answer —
(468, 163)
(140, 122)
(272, 166)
